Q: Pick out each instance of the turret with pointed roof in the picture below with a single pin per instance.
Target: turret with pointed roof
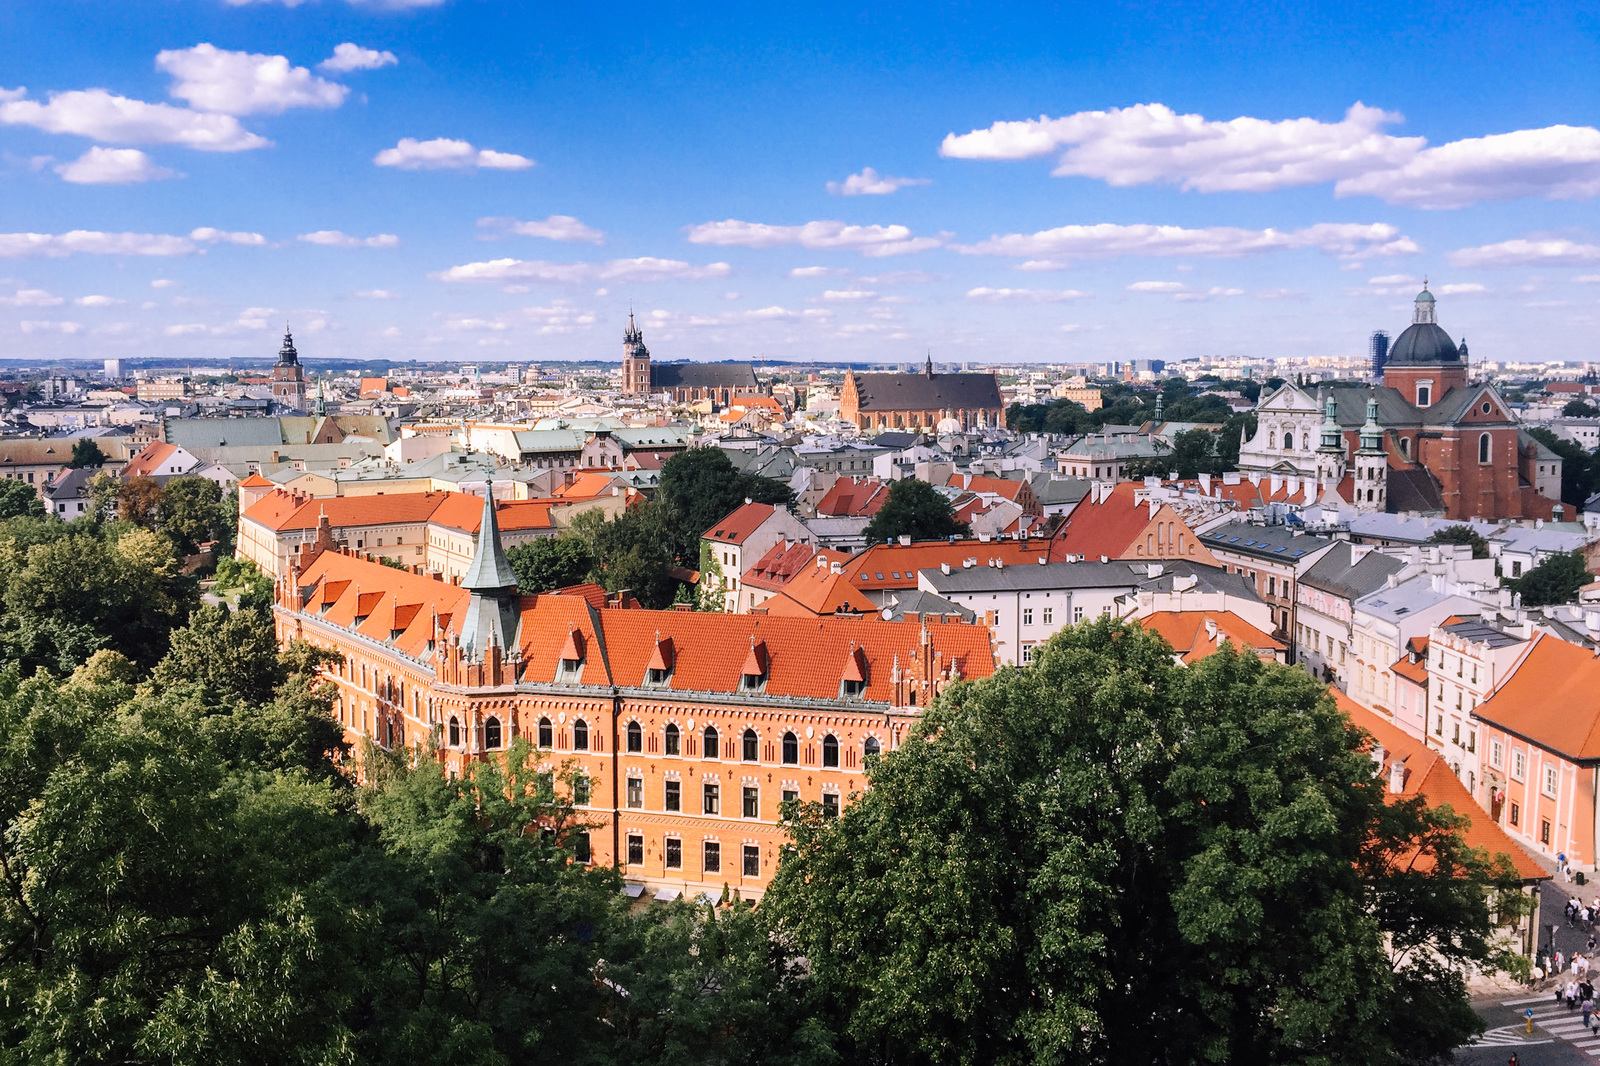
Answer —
(492, 614)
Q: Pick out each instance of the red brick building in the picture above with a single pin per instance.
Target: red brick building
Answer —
(921, 401)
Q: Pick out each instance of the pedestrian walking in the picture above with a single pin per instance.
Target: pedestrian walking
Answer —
(1588, 1012)
(1514, 1060)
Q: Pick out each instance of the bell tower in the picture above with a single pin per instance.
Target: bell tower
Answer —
(1372, 465)
(288, 376)
(635, 361)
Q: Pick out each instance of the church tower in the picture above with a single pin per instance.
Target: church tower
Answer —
(635, 361)
(1424, 363)
(1372, 465)
(1330, 451)
(493, 617)
(288, 376)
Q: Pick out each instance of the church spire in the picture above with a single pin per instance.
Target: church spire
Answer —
(493, 613)
(927, 369)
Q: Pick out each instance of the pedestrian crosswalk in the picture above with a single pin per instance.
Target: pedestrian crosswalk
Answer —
(1549, 1019)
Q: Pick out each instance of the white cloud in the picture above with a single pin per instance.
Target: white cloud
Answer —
(68, 328)
(1195, 295)
(1107, 240)
(348, 57)
(1158, 286)
(847, 295)
(1557, 163)
(334, 238)
(32, 298)
(554, 228)
(1152, 144)
(818, 272)
(209, 235)
(185, 329)
(244, 83)
(868, 240)
(1465, 288)
(441, 153)
(98, 301)
(163, 283)
(476, 324)
(91, 242)
(375, 294)
(1277, 294)
(105, 116)
(901, 277)
(1394, 279)
(113, 166)
(645, 268)
(870, 183)
(1550, 251)
(984, 294)
(1588, 279)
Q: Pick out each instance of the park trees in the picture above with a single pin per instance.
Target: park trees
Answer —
(700, 486)
(551, 563)
(1105, 857)
(917, 510)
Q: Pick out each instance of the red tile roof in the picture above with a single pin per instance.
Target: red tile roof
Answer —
(850, 498)
(999, 486)
(744, 521)
(783, 561)
(1551, 699)
(401, 508)
(1427, 775)
(464, 511)
(1187, 633)
(256, 481)
(398, 607)
(1110, 527)
(149, 460)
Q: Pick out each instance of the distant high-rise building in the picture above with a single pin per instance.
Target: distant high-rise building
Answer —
(113, 369)
(1378, 349)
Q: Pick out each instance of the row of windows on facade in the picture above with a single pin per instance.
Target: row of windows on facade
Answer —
(710, 797)
(1485, 442)
(710, 855)
(710, 741)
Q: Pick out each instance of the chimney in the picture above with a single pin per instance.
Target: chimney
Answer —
(1377, 757)
(944, 568)
(1397, 776)
(1211, 629)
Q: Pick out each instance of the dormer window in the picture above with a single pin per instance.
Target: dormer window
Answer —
(753, 674)
(569, 668)
(853, 680)
(658, 672)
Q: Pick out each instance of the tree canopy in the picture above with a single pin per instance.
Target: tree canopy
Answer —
(1580, 470)
(18, 499)
(1556, 579)
(917, 510)
(86, 452)
(700, 486)
(1462, 534)
(1177, 865)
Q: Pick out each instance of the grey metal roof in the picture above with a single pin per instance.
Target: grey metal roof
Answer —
(916, 601)
(490, 570)
(1481, 632)
(1054, 489)
(1268, 542)
(923, 392)
(703, 376)
(1414, 489)
(1034, 578)
(1423, 344)
(1334, 572)
(1393, 408)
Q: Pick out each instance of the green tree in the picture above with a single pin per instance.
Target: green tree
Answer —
(1580, 473)
(86, 452)
(1462, 535)
(255, 588)
(551, 563)
(631, 551)
(103, 492)
(193, 512)
(917, 510)
(1105, 857)
(700, 486)
(1556, 579)
(17, 499)
(1580, 409)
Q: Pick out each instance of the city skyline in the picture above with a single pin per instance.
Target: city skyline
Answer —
(449, 179)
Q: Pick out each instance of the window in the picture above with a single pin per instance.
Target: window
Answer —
(751, 744)
(830, 751)
(1544, 831)
(1456, 739)
(674, 853)
(710, 738)
(1483, 447)
(752, 861)
(790, 796)
(1519, 765)
(712, 798)
(752, 802)
(1472, 740)
(1496, 753)
(791, 750)
(580, 735)
(546, 733)
(1027, 616)
(672, 740)
(1516, 814)
(635, 737)
(869, 747)
(849, 688)
(1516, 568)
(1027, 653)
(491, 733)
(580, 791)
(1288, 441)
(1424, 395)
(1077, 615)
(1550, 778)
(674, 796)
(455, 732)
(830, 805)
(636, 792)
(580, 847)
(1438, 727)
(713, 861)
(635, 850)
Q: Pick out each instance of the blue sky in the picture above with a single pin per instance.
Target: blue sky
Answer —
(482, 181)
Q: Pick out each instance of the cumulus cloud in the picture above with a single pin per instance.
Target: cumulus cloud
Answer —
(1152, 144)
(105, 116)
(244, 83)
(97, 300)
(870, 183)
(374, 294)
(185, 328)
(335, 239)
(984, 294)
(1107, 240)
(1157, 286)
(868, 240)
(1549, 251)
(441, 153)
(1464, 288)
(1184, 293)
(1587, 279)
(554, 228)
(113, 166)
(91, 242)
(52, 327)
(32, 298)
(818, 272)
(348, 57)
(644, 268)
(209, 235)
(163, 283)
(847, 295)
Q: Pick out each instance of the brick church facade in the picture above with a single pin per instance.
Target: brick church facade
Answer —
(1427, 439)
(927, 402)
(688, 729)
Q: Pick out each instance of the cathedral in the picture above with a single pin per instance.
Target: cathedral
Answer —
(1425, 439)
(720, 383)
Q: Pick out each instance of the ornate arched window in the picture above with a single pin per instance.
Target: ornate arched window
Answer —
(791, 750)
(1483, 447)
(672, 739)
(1288, 442)
(635, 737)
(710, 739)
(455, 731)
(491, 733)
(547, 734)
(580, 735)
(830, 750)
(869, 747)
(750, 746)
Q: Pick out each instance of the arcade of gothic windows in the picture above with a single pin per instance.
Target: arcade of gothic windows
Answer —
(711, 743)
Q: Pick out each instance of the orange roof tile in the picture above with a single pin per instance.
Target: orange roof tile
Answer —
(999, 486)
(256, 481)
(345, 511)
(149, 460)
(1551, 699)
(850, 498)
(1106, 528)
(587, 486)
(745, 520)
(399, 607)
(1187, 633)
(1428, 775)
